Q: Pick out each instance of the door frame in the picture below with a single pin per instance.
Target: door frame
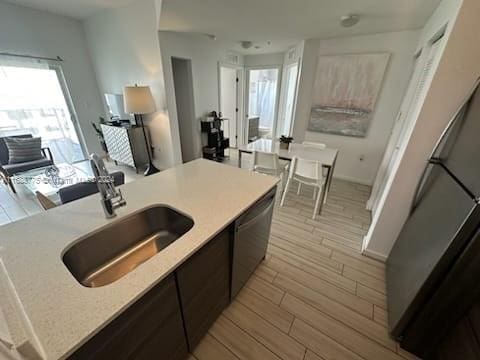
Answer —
(240, 96)
(403, 123)
(284, 92)
(71, 108)
(277, 98)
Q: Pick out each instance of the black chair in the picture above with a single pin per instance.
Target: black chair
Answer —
(80, 190)
(8, 170)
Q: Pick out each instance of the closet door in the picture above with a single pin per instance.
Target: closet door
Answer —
(403, 126)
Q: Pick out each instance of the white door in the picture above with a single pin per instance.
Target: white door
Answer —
(262, 98)
(405, 120)
(229, 102)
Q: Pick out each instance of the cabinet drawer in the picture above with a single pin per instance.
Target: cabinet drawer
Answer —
(150, 327)
(204, 287)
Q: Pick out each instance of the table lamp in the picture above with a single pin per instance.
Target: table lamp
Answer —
(138, 100)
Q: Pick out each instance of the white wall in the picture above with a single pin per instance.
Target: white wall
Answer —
(39, 33)
(274, 59)
(456, 73)
(401, 46)
(205, 55)
(123, 43)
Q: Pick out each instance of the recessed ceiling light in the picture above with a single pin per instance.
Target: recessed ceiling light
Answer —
(349, 20)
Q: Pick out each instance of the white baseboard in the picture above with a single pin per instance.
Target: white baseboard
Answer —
(374, 255)
(370, 204)
(352, 179)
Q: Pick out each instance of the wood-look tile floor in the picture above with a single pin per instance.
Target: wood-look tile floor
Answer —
(315, 296)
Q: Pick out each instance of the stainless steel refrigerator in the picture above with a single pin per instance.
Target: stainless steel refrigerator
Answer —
(433, 270)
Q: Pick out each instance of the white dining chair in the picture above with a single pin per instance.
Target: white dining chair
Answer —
(319, 146)
(306, 172)
(269, 164)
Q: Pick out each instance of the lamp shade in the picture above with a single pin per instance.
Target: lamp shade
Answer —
(138, 100)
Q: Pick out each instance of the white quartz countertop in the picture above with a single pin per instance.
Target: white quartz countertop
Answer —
(64, 314)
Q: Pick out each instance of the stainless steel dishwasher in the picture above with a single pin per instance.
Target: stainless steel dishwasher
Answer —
(252, 231)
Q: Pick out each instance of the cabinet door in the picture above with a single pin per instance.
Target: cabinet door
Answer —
(118, 144)
(204, 286)
(460, 343)
(151, 328)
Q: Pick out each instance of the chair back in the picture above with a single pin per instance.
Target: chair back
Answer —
(315, 145)
(4, 150)
(266, 162)
(81, 190)
(308, 170)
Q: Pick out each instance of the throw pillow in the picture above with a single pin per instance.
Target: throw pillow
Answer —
(21, 150)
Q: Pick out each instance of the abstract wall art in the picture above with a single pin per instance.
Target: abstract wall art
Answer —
(345, 92)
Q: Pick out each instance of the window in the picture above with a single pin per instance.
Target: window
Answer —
(32, 101)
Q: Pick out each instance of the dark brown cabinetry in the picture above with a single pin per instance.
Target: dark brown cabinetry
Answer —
(204, 287)
(174, 315)
(463, 341)
(149, 329)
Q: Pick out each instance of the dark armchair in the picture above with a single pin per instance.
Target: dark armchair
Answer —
(80, 190)
(8, 170)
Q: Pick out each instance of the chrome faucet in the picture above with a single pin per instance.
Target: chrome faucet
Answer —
(111, 198)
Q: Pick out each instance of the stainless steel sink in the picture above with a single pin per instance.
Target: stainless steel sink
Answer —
(105, 256)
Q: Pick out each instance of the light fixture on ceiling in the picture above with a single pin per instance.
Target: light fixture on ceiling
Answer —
(349, 20)
(246, 44)
(211, 36)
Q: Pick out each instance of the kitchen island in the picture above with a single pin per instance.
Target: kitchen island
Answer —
(47, 309)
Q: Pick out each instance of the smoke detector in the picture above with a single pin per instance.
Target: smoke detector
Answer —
(246, 44)
(349, 20)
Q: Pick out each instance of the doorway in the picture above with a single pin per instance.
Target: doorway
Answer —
(183, 89)
(262, 98)
(34, 100)
(230, 100)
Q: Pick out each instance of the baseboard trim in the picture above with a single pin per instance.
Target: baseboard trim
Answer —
(351, 179)
(374, 255)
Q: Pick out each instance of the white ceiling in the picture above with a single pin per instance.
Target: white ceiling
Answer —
(79, 9)
(285, 22)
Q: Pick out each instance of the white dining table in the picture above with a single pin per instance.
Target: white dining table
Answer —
(327, 157)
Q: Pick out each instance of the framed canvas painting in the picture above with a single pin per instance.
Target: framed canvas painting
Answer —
(345, 93)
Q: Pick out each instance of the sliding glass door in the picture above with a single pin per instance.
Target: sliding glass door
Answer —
(34, 100)
(262, 98)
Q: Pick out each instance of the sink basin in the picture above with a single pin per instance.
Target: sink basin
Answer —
(112, 252)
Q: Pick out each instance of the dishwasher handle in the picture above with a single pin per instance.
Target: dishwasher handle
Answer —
(258, 217)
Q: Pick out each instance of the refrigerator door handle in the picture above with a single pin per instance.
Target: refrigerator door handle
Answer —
(451, 124)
